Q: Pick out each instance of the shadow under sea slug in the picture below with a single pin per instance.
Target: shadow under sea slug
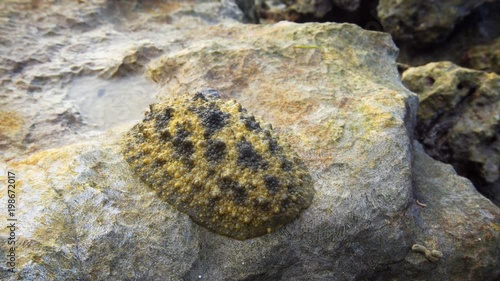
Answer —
(212, 160)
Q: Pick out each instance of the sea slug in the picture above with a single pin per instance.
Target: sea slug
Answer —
(212, 160)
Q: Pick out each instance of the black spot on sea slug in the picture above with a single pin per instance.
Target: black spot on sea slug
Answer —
(163, 118)
(159, 162)
(212, 120)
(212, 204)
(240, 195)
(233, 189)
(216, 150)
(199, 96)
(291, 189)
(286, 165)
(183, 146)
(227, 184)
(248, 157)
(272, 183)
(273, 146)
(262, 203)
(149, 115)
(250, 123)
(165, 135)
(285, 202)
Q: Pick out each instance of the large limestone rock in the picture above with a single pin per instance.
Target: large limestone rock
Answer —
(458, 120)
(422, 23)
(331, 91)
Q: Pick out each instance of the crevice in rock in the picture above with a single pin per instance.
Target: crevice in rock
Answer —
(364, 16)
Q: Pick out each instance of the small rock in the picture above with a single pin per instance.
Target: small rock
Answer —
(316, 8)
(319, 8)
(459, 120)
(422, 23)
(484, 57)
(478, 28)
(249, 10)
(457, 221)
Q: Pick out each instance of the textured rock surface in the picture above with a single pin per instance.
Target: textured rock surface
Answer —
(348, 5)
(343, 110)
(249, 10)
(67, 69)
(479, 28)
(217, 163)
(459, 121)
(454, 219)
(484, 57)
(423, 22)
(82, 215)
(331, 91)
(316, 8)
(319, 8)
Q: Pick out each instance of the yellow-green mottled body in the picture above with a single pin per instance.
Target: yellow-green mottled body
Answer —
(212, 160)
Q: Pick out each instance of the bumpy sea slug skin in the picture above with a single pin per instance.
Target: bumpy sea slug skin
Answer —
(212, 160)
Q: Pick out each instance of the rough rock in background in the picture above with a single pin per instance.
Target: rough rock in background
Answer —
(449, 220)
(348, 5)
(316, 8)
(320, 7)
(484, 57)
(459, 120)
(423, 23)
(249, 11)
(479, 28)
(330, 90)
(298, 9)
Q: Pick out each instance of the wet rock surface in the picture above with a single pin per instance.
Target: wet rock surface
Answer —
(69, 70)
(484, 57)
(315, 8)
(319, 8)
(466, 45)
(458, 120)
(75, 84)
(447, 225)
(342, 11)
(249, 11)
(423, 23)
